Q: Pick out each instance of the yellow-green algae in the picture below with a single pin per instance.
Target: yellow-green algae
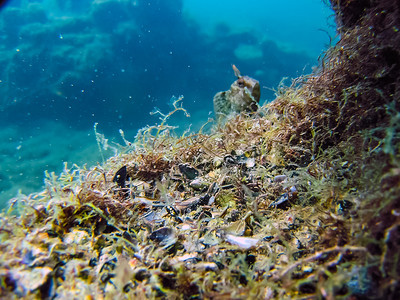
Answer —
(334, 134)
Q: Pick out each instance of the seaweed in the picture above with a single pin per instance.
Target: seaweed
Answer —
(297, 200)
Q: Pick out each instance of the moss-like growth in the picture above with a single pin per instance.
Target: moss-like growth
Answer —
(300, 199)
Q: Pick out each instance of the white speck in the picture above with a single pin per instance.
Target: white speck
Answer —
(170, 52)
(250, 162)
(185, 227)
(122, 70)
(60, 36)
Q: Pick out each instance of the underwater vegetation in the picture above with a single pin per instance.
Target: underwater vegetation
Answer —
(70, 64)
(298, 199)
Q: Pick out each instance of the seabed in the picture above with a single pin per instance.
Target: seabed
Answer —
(298, 200)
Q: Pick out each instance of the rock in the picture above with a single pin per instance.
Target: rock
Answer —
(199, 184)
(242, 242)
(188, 171)
(280, 178)
(77, 237)
(161, 235)
(30, 280)
(250, 162)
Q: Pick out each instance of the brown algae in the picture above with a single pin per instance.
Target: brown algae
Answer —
(300, 200)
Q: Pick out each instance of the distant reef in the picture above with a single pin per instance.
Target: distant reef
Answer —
(298, 200)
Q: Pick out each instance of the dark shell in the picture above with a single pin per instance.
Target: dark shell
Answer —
(120, 177)
(188, 171)
(161, 235)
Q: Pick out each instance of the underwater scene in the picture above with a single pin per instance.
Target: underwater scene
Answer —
(182, 149)
(66, 65)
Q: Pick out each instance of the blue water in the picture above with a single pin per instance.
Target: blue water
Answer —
(65, 65)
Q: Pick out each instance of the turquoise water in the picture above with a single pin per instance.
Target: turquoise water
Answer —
(65, 65)
(294, 25)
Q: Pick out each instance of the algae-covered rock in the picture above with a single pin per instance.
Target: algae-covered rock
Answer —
(243, 96)
(267, 206)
